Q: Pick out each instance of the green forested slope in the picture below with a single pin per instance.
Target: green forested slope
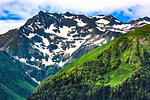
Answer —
(14, 83)
(118, 70)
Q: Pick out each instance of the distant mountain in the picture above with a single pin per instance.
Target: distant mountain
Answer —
(118, 70)
(47, 42)
(15, 84)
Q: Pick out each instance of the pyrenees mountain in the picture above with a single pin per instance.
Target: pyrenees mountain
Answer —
(118, 70)
(49, 41)
(15, 84)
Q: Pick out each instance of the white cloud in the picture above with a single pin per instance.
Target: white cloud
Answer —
(28, 8)
(6, 25)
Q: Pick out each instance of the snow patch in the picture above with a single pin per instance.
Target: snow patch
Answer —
(31, 35)
(42, 49)
(118, 30)
(70, 50)
(98, 16)
(103, 21)
(90, 30)
(118, 21)
(99, 42)
(32, 59)
(64, 31)
(61, 63)
(49, 62)
(77, 44)
(33, 78)
(112, 38)
(145, 22)
(80, 22)
(33, 66)
(39, 25)
(105, 41)
(123, 26)
(100, 25)
(87, 37)
(100, 29)
(30, 26)
(68, 17)
(45, 41)
(23, 60)
(50, 29)
(53, 16)
(52, 37)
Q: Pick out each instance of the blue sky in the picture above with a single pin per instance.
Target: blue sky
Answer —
(19, 11)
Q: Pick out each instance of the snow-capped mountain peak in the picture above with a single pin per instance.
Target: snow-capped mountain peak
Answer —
(57, 39)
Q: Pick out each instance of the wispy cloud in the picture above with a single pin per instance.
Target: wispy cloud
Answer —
(27, 8)
(6, 25)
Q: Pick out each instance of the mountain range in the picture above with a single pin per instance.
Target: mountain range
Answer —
(48, 42)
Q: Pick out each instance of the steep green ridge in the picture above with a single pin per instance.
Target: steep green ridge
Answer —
(14, 83)
(119, 70)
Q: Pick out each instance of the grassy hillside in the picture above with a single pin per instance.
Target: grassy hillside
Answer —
(117, 70)
(14, 83)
